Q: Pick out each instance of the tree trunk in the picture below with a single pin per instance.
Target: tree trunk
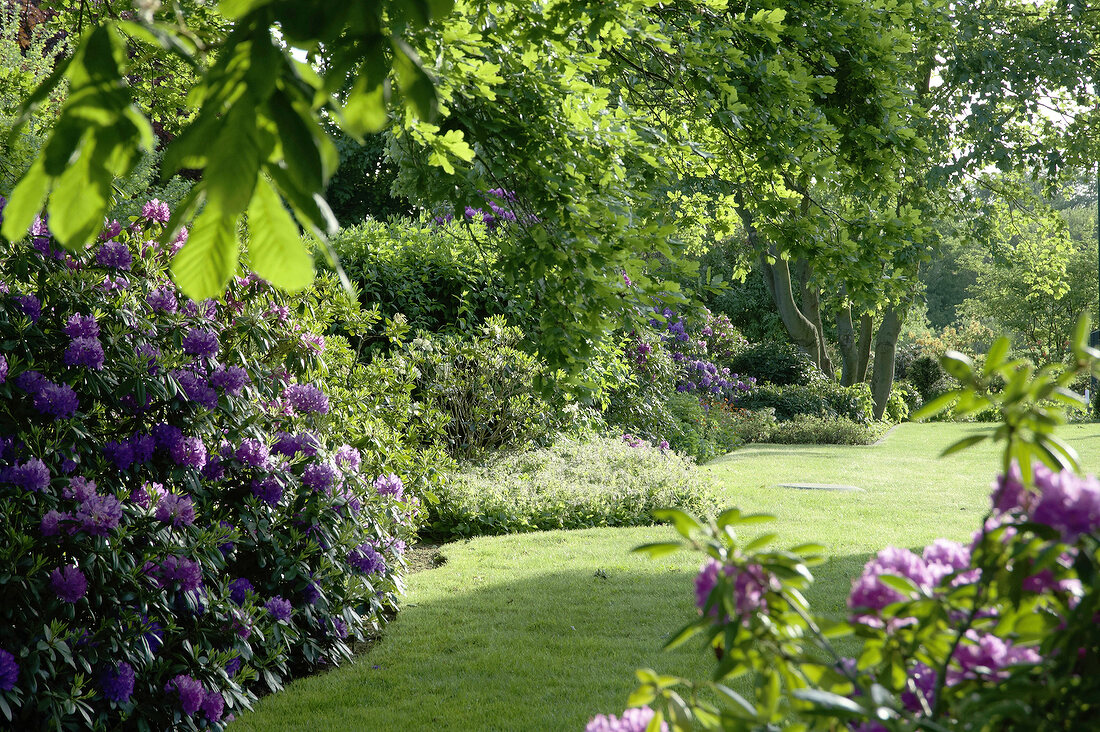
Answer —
(846, 336)
(801, 330)
(886, 343)
(863, 349)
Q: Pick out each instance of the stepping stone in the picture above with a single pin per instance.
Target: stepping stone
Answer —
(820, 487)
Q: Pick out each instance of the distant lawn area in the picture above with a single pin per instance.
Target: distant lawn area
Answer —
(541, 631)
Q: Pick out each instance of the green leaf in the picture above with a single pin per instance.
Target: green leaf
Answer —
(414, 82)
(740, 706)
(996, 355)
(26, 201)
(828, 702)
(963, 444)
(729, 516)
(958, 365)
(685, 633)
(937, 405)
(366, 109)
(300, 148)
(234, 162)
(760, 541)
(209, 258)
(78, 203)
(904, 585)
(684, 522)
(642, 696)
(658, 549)
(276, 251)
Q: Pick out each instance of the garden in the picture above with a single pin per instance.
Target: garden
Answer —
(483, 366)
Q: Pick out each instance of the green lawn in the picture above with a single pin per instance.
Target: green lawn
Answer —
(520, 633)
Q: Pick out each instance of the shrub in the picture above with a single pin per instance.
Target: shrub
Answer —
(808, 430)
(926, 374)
(997, 634)
(780, 364)
(572, 485)
(485, 388)
(821, 399)
(179, 524)
(702, 430)
(753, 425)
(440, 278)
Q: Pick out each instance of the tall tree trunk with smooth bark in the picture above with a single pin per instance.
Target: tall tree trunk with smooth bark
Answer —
(886, 342)
(863, 349)
(846, 339)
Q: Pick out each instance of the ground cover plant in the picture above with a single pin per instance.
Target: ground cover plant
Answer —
(179, 526)
(573, 484)
(492, 629)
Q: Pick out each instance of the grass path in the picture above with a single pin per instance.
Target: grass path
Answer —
(540, 631)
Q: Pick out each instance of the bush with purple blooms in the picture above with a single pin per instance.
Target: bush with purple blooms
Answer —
(998, 634)
(180, 518)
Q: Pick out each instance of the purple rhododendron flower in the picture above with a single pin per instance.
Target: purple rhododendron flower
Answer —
(99, 515)
(321, 477)
(32, 475)
(636, 719)
(190, 691)
(984, 656)
(51, 522)
(201, 342)
(389, 485)
(213, 706)
(79, 488)
(239, 590)
(86, 352)
(365, 559)
(279, 608)
(339, 627)
(231, 379)
(348, 457)
(870, 593)
(82, 326)
(179, 569)
(1066, 502)
(114, 254)
(30, 306)
(196, 389)
(162, 300)
(312, 593)
(175, 510)
(167, 436)
(306, 398)
(233, 666)
(253, 452)
(117, 682)
(119, 453)
(145, 495)
(3, 369)
(9, 671)
(189, 452)
(69, 583)
(31, 381)
(56, 400)
(268, 489)
(111, 230)
(156, 211)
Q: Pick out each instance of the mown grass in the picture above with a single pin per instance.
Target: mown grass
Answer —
(541, 631)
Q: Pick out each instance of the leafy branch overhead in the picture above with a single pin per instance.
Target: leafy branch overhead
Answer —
(257, 135)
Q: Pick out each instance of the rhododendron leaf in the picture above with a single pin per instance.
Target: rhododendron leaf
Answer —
(25, 202)
(655, 724)
(275, 250)
(903, 585)
(963, 444)
(760, 541)
(937, 405)
(757, 518)
(729, 516)
(658, 549)
(209, 258)
(684, 522)
(826, 701)
(683, 634)
(958, 365)
(996, 355)
(641, 696)
(737, 704)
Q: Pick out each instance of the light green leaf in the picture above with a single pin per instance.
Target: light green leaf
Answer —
(658, 549)
(26, 201)
(209, 258)
(275, 250)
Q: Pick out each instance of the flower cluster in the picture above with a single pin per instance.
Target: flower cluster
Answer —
(151, 450)
(635, 719)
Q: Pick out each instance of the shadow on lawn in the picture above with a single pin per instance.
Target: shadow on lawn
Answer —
(544, 652)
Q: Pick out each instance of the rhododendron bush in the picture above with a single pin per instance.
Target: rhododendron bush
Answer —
(1000, 632)
(181, 526)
